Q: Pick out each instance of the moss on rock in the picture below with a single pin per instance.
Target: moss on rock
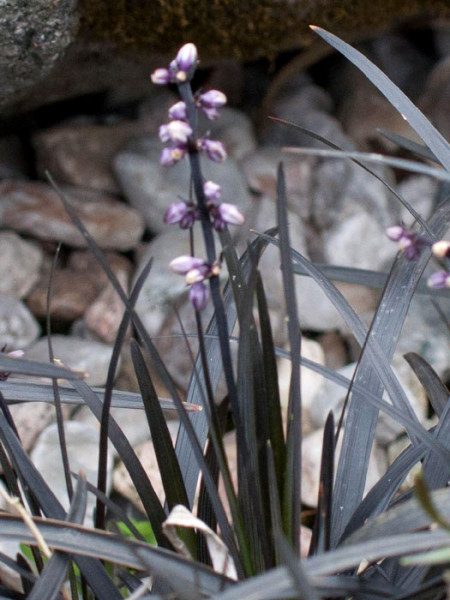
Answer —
(245, 29)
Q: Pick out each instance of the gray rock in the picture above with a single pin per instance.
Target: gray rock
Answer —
(34, 37)
(305, 104)
(20, 264)
(358, 241)
(82, 442)
(89, 356)
(234, 129)
(146, 454)
(331, 397)
(311, 458)
(36, 209)
(420, 191)
(81, 155)
(151, 188)
(116, 46)
(12, 158)
(435, 100)
(441, 37)
(18, 327)
(104, 315)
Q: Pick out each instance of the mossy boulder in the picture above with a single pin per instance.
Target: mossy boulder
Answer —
(64, 48)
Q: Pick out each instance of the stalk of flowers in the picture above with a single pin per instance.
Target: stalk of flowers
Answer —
(183, 141)
(181, 135)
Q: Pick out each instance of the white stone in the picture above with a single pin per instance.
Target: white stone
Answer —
(311, 459)
(18, 327)
(20, 264)
(84, 355)
(82, 447)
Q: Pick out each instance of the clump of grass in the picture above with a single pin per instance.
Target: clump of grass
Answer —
(361, 547)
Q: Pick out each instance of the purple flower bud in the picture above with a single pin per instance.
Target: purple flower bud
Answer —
(184, 264)
(214, 150)
(163, 133)
(178, 111)
(211, 113)
(212, 99)
(198, 274)
(186, 57)
(441, 249)
(170, 156)
(161, 77)
(188, 220)
(176, 131)
(198, 295)
(395, 232)
(175, 213)
(230, 213)
(439, 280)
(212, 191)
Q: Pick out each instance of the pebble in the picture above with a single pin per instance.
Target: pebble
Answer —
(84, 355)
(312, 445)
(103, 317)
(82, 442)
(146, 454)
(436, 97)
(20, 264)
(82, 154)
(36, 209)
(311, 382)
(18, 327)
(331, 397)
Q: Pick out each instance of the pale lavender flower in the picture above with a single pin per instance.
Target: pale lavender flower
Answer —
(171, 155)
(177, 132)
(439, 280)
(212, 99)
(409, 241)
(230, 213)
(187, 57)
(225, 214)
(162, 77)
(185, 263)
(198, 274)
(212, 191)
(175, 213)
(198, 295)
(178, 111)
(441, 249)
(214, 150)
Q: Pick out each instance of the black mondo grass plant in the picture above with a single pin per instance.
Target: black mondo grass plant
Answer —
(245, 542)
